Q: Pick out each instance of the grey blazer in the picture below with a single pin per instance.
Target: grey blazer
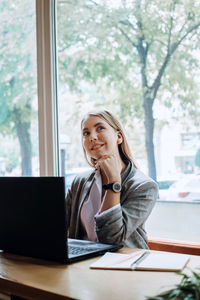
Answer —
(125, 224)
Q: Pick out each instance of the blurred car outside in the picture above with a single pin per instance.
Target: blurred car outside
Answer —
(185, 189)
(164, 185)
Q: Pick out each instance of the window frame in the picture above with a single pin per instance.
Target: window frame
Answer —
(47, 88)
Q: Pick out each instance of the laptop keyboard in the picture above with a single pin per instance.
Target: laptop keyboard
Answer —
(80, 250)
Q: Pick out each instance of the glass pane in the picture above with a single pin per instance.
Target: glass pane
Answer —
(18, 89)
(140, 60)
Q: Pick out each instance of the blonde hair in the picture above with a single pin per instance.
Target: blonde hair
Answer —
(124, 149)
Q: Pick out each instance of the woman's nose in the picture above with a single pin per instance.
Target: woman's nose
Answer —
(93, 136)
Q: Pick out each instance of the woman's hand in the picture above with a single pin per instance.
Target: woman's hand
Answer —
(111, 167)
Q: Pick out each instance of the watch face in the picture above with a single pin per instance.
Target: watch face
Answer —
(116, 187)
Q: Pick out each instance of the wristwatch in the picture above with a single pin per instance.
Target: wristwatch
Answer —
(115, 187)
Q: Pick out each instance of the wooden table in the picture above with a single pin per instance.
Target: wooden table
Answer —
(37, 279)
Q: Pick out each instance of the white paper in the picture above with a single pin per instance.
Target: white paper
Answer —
(155, 261)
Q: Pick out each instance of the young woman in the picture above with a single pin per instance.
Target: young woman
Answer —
(110, 203)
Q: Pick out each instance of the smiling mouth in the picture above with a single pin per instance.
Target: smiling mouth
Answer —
(96, 147)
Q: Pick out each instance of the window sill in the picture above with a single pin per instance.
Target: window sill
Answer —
(174, 246)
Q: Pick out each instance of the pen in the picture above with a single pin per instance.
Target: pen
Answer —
(138, 261)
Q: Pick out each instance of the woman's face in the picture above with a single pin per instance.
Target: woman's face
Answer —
(99, 138)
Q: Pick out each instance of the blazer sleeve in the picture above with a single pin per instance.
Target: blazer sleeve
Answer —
(136, 204)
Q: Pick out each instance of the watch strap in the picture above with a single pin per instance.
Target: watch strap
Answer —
(114, 186)
(108, 186)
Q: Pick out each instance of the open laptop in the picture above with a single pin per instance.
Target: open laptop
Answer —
(33, 221)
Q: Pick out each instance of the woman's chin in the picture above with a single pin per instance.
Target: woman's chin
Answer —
(98, 154)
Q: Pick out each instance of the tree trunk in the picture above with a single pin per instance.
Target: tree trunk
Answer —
(23, 133)
(149, 132)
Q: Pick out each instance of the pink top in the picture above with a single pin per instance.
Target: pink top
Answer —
(91, 207)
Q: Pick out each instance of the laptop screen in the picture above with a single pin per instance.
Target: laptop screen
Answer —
(33, 217)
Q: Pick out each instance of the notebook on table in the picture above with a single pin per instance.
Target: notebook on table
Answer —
(33, 221)
(142, 260)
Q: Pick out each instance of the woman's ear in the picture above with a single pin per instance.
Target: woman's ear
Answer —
(119, 138)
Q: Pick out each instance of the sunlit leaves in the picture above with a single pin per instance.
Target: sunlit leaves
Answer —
(98, 43)
(17, 56)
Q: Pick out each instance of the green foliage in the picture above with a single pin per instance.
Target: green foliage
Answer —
(135, 54)
(17, 77)
(17, 61)
(188, 289)
(99, 43)
(4, 111)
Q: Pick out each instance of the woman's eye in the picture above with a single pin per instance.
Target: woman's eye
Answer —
(101, 128)
(85, 133)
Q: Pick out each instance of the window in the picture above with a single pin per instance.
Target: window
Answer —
(113, 55)
(139, 59)
(18, 89)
